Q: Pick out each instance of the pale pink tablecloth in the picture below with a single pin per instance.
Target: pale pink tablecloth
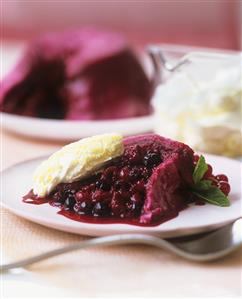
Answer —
(121, 271)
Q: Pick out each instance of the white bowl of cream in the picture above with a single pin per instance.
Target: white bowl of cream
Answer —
(206, 114)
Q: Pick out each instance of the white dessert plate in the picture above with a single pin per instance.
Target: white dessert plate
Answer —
(71, 130)
(16, 182)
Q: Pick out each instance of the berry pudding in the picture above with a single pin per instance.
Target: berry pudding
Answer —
(85, 74)
(142, 180)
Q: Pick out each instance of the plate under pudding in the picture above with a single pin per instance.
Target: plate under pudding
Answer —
(195, 219)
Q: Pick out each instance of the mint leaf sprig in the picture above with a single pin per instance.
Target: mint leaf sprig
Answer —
(204, 189)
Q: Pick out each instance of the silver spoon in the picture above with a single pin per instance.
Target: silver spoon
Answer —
(212, 246)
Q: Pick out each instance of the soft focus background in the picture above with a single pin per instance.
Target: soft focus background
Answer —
(207, 23)
(125, 271)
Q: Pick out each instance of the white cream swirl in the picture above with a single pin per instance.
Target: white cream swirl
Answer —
(207, 116)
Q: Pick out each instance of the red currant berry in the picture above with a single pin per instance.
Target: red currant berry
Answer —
(224, 187)
(222, 178)
(209, 172)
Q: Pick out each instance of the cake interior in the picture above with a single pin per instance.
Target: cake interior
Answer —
(38, 94)
(116, 192)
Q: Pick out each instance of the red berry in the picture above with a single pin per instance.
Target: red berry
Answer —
(138, 187)
(195, 158)
(80, 196)
(222, 178)
(208, 173)
(224, 187)
(124, 173)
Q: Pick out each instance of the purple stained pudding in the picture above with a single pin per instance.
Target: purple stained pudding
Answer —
(147, 185)
(84, 74)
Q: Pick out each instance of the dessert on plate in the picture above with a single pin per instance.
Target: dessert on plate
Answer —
(141, 180)
(84, 74)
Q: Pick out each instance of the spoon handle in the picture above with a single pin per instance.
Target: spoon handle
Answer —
(119, 240)
(95, 242)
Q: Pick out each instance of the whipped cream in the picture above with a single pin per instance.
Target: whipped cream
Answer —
(205, 115)
(76, 160)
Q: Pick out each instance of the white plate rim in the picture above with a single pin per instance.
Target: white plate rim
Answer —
(55, 129)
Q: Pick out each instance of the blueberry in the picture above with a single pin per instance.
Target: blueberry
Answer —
(70, 202)
(100, 209)
(152, 159)
(103, 185)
